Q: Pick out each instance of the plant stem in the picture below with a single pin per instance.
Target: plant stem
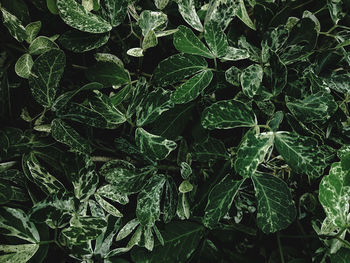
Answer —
(280, 247)
(79, 67)
(102, 159)
(215, 64)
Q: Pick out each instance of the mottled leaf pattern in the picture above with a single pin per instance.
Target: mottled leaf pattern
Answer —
(251, 79)
(216, 39)
(13, 25)
(41, 45)
(189, 14)
(222, 12)
(24, 66)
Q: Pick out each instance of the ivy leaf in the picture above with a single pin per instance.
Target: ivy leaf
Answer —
(150, 20)
(189, 14)
(216, 39)
(14, 25)
(176, 68)
(47, 71)
(227, 114)
(75, 15)
(41, 45)
(251, 79)
(114, 11)
(63, 133)
(18, 253)
(302, 154)
(252, 151)
(187, 42)
(155, 146)
(192, 87)
(148, 201)
(24, 66)
(80, 42)
(334, 195)
(316, 107)
(220, 200)
(276, 209)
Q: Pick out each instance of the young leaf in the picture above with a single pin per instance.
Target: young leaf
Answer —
(150, 20)
(148, 201)
(47, 71)
(192, 87)
(24, 66)
(32, 30)
(155, 146)
(135, 52)
(216, 39)
(251, 79)
(41, 45)
(75, 15)
(276, 209)
(252, 151)
(189, 14)
(227, 114)
(114, 11)
(334, 195)
(176, 68)
(14, 25)
(302, 154)
(220, 200)
(108, 74)
(187, 42)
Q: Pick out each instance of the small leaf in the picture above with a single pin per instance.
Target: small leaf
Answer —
(227, 114)
(155, 146)
(189, 14)
(216, 39)
(150, 40)
(18, 253)
(75, 15)
(232, 75)
(276, 209)
(114, 11)
(108, 74)
(14, 26)
(185, 187)
(169, 202)
(32, 30)
(187, 42)
(251, 79)
(235, 54)
(150, 20)
(186, 170)
(161, 4)
(41, 45)
(24, 66)
(127, 229)
(135, 52)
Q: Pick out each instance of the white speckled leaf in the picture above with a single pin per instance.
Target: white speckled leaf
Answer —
(114, 11)
(150, 40)
(232, 75)
(41, 45)
(216, 39)
(276, 209)
(251, 79)
(127, 229)
(160, 4)
(18, 253)
(135, 52)
(242, 14)
(227, 114)
(334, 195)
(150, 20)
(14, 25)
(107, 206)
(187, 42)
(252, 151)
(189, 14)
(192, 87)
(46, 74)
(24, 66)
(111, 192)
(75, 15)
(222, 12)
(235, 54)
(32, 30)
(156, 147)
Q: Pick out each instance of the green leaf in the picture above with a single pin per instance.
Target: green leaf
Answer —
(111, 192)
(161, 4)
(6, 192)
(80, 42)
(242, 14)
(186, 233)
(316, 107)
(210, 149)
(150, 20)
(222, 12)
(232, 75)
(216, 39)
(155, 146)
(251, 79)
(176, 68)
(150, 40)
(32, 30)
(114, 11)
(108, 207)
(135, 52)
(75, 15)
(192, 87)
(14, 25)
(18, 253)
(276, 209)
(24, 66)
(235, 54)
(334, 194)
(108, 74)
(156, 102)
(302, 154)
(52, 6)
(227, 114)
(148, 201)
(41, 45)
(63, 133)
(187, 42)
(46, 74)
(342, 256)
(127, 229)
(185, 187)
(220, 200)
(252, 151)
(169, 202)
(189, 14)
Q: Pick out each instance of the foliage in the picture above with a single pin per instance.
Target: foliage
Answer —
(175, 131)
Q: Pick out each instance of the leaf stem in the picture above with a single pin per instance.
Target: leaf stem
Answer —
(79, 67)
(215, 64)
(280, 247)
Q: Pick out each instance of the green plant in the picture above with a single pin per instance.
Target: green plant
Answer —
(175, 131)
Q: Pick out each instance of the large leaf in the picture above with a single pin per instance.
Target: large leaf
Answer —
(216, 39)
(46, 74)
(334, 195)
(41, 45)
(18, 253)
(189, 14)
(251, 79)
(187, 42)
(276, 209)
(75, 15)
(108, 73)
(176, 68)
(148, 201)
(155, 146)
(227, 114)
(192, 87)
(220, 200)
(302, 154)
(252, 151)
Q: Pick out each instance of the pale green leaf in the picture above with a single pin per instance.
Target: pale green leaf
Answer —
(276, 209)
(186, 170)
(114, 11)
(192, 87)
(150, 20)
(187, 42)
(161, 4)
(220, 200)
(222, 12)
(18, 253)
(41, 45)
(32, 30)
(149, 239)
(14, 25)
(135, 52)
(216, 39)
(75, 15)
(169, 202)
(189, 14)
(242, 14)
(235, 54)
(251, 79)
(127, 229)
(108, 207)
(154, 146)
(111, 192)
(185, 187)
(24, 65)
(150, 40)
(227, 114)
(52, 6)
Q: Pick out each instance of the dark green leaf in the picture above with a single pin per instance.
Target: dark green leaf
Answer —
(189, 14)
(14, 25)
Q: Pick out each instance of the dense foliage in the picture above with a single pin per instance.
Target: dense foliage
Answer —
(175, 131)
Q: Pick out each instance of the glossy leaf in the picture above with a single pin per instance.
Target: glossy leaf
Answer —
(32, 30)
(251, 79)
(18, 253)
(150, 20)
(189, 14)
(108, 74)
(216, 39)
(114, 11)
(24, 66)
(41, 45)
(14, 25)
